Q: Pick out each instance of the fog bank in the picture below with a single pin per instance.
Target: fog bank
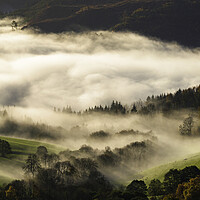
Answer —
(82, 70)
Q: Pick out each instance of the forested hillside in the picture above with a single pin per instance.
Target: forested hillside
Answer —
(170, 20)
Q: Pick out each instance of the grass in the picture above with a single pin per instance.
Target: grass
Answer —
(11, 166)
(160, 171)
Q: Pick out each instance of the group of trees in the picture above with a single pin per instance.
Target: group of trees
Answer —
(177, 185)
(77, 178)
(188, 98)
(80, 178)
(4, 148)
(181, 99)
(31, 130)
(48, 177)
(115, 108)
(65, 110)
(136, 154)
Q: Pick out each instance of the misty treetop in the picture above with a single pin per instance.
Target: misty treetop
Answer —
(164, 103)
(81, 178)
(62, 179)
(190, 126)
(29, 129)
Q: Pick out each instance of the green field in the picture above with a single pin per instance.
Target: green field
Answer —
(11, 166)
(159, 171)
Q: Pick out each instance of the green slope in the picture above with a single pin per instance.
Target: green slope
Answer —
(160, 171)
(11, 166)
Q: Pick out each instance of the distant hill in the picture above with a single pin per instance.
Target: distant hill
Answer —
(169, 20)
(7, 6)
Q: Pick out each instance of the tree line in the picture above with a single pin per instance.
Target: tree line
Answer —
(181, 99)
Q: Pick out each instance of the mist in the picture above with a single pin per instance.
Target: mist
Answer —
(42, 71)
(93, 68)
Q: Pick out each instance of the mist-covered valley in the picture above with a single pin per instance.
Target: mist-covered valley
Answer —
(88, 69)
(43, 75)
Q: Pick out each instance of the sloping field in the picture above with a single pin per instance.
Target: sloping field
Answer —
(11, 166)
(160, 171)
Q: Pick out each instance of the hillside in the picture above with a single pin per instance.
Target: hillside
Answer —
(169, 20)
(7, 6)
(11, 166)
(160, 171)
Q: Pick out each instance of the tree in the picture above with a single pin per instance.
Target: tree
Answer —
(32, 165)
(4, 148)
(42, 154)
(171, 181)
(186, 128)
(66, 171)
(41, 150)
(48, 183)
(189, 172)
(155, 188)
(175, 177)
(14, 25)
(189, 190)
(52, 159)
(136, 190)
(134, 109)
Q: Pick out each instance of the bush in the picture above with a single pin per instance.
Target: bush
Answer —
(4, 148)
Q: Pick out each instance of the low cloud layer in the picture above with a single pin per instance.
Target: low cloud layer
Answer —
(82, 70)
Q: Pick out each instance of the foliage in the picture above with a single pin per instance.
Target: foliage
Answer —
(175, 177)
(79, 178)
(41, 150)
(4, 148)
(170, 197)
(171, 180)
(17, 190)
(186, 128)
(42, 154)
(32, 165)
(136, 190)
(189, 190)
(30, 130)
(155, 188)
(99, 134)
(11, 193)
